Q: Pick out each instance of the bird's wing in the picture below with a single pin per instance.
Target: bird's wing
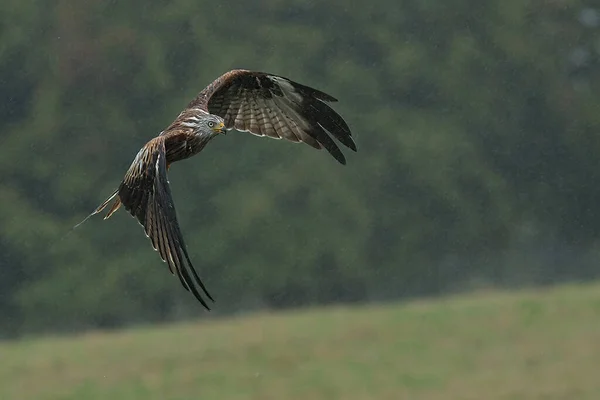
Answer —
(145, 193)
(274, 106)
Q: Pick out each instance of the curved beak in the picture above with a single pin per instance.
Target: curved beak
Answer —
(220, 128)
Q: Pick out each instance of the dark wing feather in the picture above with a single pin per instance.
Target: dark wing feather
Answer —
(146, 194)
(274, 106)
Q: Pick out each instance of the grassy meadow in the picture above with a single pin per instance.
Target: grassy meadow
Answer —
(535, 344)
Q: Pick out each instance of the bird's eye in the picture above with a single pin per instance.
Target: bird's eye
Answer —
(211, 124)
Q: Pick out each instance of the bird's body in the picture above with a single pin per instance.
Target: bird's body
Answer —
(181, 137)
(260, 103)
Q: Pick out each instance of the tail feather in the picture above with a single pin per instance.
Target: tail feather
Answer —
(102, 206)
(113, 208)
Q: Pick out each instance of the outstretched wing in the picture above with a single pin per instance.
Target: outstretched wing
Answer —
(145, 193)
(274, 106)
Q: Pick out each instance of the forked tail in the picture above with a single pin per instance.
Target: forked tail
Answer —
(102, 206)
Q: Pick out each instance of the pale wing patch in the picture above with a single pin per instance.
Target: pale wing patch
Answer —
(276, 107)
(254, 116)
(276, 117)
(267, 118)
(286, 88)
(293, 119)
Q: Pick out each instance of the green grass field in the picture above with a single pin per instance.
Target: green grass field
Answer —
(541, 344)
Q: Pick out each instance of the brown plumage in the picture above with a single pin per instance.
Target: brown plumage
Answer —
(260, 103)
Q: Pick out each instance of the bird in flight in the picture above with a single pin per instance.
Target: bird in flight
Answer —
(248, 101)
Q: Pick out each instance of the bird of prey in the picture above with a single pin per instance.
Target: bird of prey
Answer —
(260, 103)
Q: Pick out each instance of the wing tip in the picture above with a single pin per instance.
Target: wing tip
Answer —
(353, 146)
(339, 156)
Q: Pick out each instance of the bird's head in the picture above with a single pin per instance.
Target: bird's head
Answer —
(212, 125)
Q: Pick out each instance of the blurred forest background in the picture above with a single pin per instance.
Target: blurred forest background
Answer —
(477, 125)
